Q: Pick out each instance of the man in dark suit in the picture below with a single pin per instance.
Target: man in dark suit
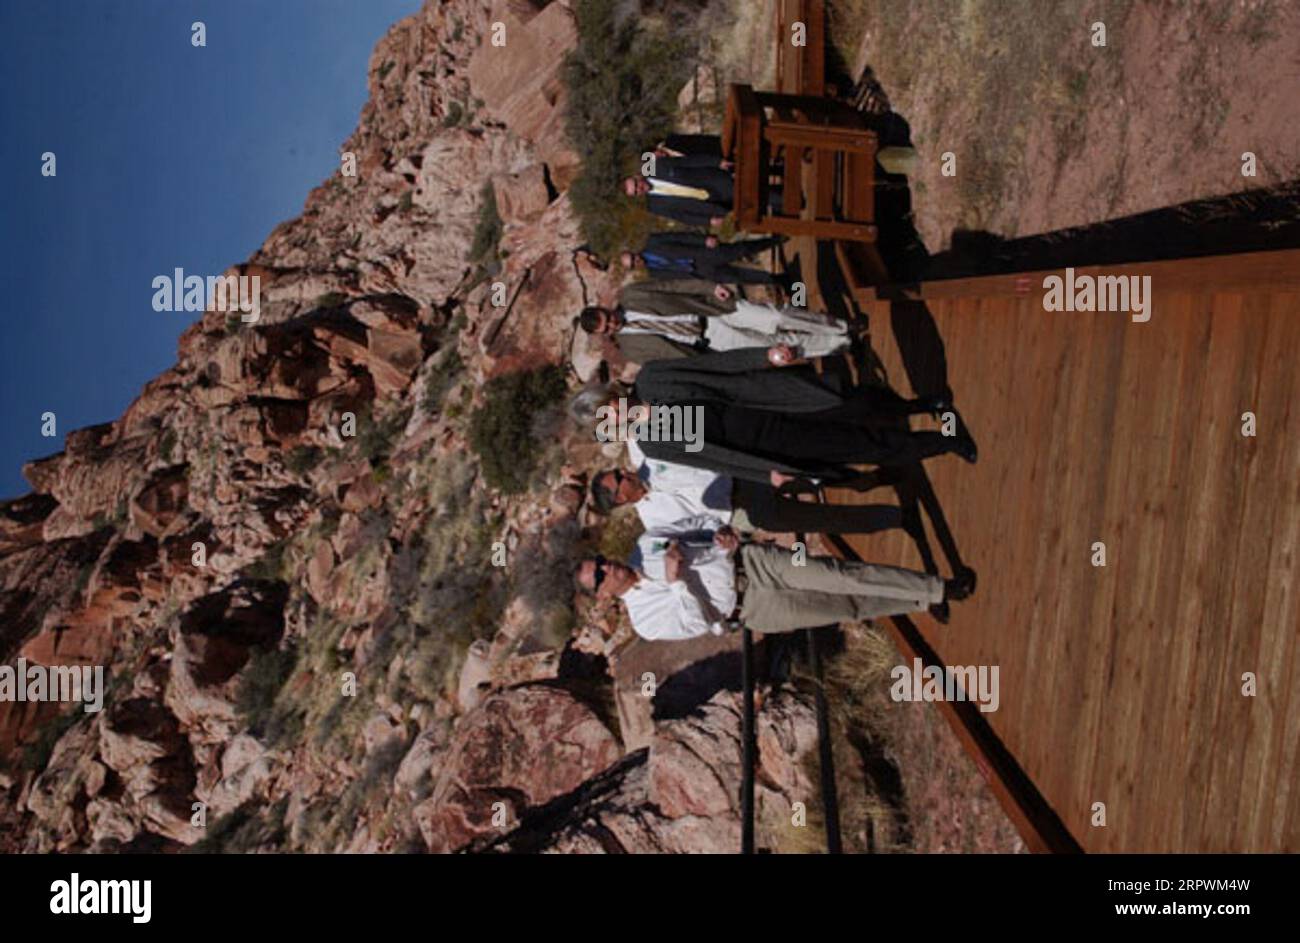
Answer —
(676, 255)
(678, 296)
(668, 320)
(766, 446)
(678, 310)
(747, 378)
(694, 189)
(693, 145)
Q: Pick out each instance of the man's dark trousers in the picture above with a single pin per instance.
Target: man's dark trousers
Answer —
(768, 510)
(823, 438)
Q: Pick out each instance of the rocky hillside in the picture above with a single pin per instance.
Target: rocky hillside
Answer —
(310, 640)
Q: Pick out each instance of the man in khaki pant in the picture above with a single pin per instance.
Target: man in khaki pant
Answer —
(780, 596)
(682, 582)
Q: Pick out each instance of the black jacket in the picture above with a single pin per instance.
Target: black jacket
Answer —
(694, 170)
(743, 378)
(690, 256)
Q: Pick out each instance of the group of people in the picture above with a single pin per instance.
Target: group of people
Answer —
(772, 420)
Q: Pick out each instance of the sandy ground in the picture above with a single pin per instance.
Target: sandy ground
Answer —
(1050, 131)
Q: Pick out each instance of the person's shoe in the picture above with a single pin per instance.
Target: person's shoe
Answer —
(939, 612)
(961, 586)
(935, 405)
(965, 448)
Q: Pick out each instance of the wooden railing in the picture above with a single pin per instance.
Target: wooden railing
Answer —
(801, 70)
(823, 154)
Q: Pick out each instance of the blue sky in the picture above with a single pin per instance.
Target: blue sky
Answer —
(168, 156)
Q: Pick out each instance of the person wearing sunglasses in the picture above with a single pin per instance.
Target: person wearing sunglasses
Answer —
(679, 582)
(664, 492)
(683, 582)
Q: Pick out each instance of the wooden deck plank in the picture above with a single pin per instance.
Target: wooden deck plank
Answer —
(1122, 684)
(1250, 542)
(1166, 703)
(1246, 271)
(1270, 801)
(1072, 514)
(1137, 640)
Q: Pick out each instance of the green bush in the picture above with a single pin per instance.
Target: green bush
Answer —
(446, 370)
(246, 828)
(271, 564)
(455, 113)
(260, 684)
(376, 437)
(303, 459)
(484, 250)
(622, 84)
(501, 431)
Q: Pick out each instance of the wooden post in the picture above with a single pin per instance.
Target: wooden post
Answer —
(747, 745)
(830, 798)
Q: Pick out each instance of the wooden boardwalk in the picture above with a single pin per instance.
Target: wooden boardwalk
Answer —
(1123, 684)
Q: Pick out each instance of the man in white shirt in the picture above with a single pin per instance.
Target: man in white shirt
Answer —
(679, 583)
(665, 492)
(679, 586)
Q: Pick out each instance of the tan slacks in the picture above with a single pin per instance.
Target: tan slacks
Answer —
(782, 597)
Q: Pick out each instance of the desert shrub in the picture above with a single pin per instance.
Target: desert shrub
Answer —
(85, 571)
(260, 684)
(375, 780)
(484, 249)
(622, 81)
(502, 430)
(446, 370)
(303, 459)
(376, 436)
(246, 828)
(455, 115)
(444, 588)
(541, 575)
(271, 564)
